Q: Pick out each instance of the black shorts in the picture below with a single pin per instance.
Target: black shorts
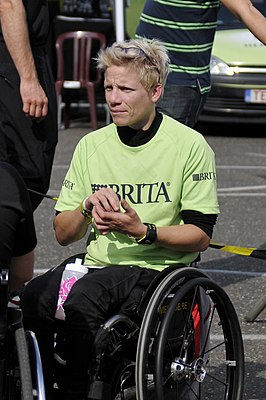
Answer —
(17, 231)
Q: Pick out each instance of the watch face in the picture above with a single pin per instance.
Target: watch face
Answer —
(148, 241)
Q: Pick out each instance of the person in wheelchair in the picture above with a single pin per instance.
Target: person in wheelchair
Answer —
(144, 190)
(17, 230)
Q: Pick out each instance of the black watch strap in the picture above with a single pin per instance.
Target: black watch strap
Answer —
(151, 234)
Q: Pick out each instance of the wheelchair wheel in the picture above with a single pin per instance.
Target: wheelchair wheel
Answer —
(23, 369)
(36, 367)
(19, 381)
(190, 344)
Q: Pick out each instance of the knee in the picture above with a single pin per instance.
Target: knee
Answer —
(39, 298)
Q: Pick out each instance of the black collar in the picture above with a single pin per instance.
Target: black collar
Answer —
(132, 137)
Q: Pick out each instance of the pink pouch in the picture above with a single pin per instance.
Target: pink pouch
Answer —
(71, 274)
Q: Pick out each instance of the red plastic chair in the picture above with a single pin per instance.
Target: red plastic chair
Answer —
(75, 52)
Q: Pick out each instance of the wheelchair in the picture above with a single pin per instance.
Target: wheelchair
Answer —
(21, 376)
(182, 342)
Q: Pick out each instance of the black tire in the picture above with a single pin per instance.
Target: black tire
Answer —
(170, 365)
(19, 380)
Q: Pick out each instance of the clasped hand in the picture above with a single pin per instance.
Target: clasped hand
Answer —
(110, 214)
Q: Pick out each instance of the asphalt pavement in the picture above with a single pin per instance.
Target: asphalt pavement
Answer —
(241, 169)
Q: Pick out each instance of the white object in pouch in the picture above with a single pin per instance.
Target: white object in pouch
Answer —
(71, 274)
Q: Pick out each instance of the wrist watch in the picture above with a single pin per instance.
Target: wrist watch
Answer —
(150, 236)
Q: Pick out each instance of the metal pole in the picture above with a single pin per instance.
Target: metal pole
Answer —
(119, 8)
(258, 308)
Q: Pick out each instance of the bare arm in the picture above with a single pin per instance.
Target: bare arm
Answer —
(250, 16)
(70, 226)
(109, 216)
(20, 271)
(185, 237)
(15, 32)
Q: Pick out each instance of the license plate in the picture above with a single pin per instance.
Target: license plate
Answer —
(255, 96)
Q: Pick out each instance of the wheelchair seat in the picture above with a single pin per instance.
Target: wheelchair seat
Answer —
(183, 343)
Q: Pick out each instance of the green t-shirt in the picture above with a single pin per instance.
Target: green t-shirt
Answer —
(174, 171)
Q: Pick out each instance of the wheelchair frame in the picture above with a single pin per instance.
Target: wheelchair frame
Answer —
(188, 339)
(21, 376)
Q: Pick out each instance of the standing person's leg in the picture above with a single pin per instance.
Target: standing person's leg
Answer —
(47, 129)
(27, 144)
(183, 103)
(91, 301)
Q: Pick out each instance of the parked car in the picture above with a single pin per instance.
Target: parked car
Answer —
(238, 72)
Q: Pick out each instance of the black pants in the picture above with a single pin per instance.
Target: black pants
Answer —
(95, 297)
(27, 144)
